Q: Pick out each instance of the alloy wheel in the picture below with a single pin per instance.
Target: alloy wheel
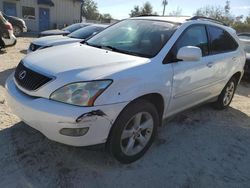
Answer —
(137, 133)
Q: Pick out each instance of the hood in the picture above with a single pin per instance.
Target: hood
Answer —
(80, 61)
(54, 32)
(16, 18)
(54, 40)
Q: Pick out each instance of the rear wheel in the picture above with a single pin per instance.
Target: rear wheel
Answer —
(134, 131)
(227, 94)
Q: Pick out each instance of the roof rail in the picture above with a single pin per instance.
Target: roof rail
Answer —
(143, 15)
(207, 18)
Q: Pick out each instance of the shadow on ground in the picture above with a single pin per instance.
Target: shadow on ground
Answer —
(244, 89)
(23, 51)
(4, 75)
(2, 51)
(198, 148)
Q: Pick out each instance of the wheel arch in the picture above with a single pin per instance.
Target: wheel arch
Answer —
(238, 75)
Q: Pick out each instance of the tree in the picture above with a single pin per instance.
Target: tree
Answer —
(227, 7)
(90, 10)
(210, 11)
(217, 12)
(164, 3)
(135, 12)
(224, 14)
(176, 12)
(146, 9)
(105, 18)
(247, 21)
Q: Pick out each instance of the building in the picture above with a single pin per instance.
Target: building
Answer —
(41, 15)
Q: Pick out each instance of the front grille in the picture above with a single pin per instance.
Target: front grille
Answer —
(29, 79)
(34, 47)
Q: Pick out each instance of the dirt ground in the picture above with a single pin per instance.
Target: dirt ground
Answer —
(201, 147)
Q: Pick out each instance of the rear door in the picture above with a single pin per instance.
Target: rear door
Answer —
(192, 79)
(223, 55)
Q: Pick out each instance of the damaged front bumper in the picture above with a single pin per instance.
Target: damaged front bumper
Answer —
(55, 120)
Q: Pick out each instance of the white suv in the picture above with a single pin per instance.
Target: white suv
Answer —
(118, 86)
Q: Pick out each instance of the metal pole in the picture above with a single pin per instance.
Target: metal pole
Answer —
(82, 3)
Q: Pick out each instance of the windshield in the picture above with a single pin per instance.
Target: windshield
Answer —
(136, 37)
(85, 32)
(73, 27)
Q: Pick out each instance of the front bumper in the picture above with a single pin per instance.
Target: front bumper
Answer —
(49, 117)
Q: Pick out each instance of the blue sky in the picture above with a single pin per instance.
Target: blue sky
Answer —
(120, 9)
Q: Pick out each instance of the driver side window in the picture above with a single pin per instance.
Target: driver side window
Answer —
(193, 36)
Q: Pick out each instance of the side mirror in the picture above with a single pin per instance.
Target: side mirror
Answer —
(189, 53)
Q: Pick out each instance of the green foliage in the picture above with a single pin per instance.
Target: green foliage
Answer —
(90, 10)
(105, 18)
(146, 9)
(135, 12)
(224, 14)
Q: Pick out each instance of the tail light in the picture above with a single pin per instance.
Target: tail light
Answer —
(8, 26)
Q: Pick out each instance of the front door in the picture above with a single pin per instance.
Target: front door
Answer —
(9, 9)
(192, 79)
(44, 19)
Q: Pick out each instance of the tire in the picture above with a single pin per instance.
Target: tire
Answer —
(17, 31)
(227, 94)
(131, 125)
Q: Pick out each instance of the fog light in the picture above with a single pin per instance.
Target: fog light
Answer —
(74, 132)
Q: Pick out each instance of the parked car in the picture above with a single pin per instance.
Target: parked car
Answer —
(77, 36)
(64, 31)
(245, 39)
(7, 37)
(116, 87)
(19, 25)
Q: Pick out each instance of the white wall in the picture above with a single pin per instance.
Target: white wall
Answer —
(64, 12)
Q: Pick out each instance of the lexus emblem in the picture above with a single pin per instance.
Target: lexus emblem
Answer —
(22, 75)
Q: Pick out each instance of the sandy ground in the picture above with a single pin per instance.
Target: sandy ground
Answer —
(201, 147)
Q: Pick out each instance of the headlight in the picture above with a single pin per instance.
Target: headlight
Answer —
(81, 93)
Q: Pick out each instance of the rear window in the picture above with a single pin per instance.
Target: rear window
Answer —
(221, 41)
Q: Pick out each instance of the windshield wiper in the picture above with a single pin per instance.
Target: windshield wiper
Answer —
(111, 48)
(114, 49)
(123, 51)
(94, 45)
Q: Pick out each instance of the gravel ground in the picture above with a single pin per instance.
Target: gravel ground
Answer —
(201, 147)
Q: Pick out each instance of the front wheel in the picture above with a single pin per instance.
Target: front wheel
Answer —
(17, 31)
(227, 94)
(133, 132)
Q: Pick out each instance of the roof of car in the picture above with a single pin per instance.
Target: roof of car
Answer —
(100, 25)
(182, 19)
(172, 19)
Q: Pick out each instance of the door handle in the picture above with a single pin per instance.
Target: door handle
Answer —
(210, 64)
(234, 58)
